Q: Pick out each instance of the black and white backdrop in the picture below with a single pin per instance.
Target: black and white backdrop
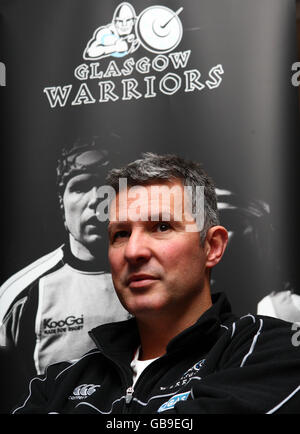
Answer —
(219, 91)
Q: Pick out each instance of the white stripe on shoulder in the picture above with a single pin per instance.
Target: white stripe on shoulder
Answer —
(252, 344)
(90, 353)
(30, 392)
(233, 329)
(38, 321)
(227, 328)
(284, 401)
(19, 281)
(250, 315)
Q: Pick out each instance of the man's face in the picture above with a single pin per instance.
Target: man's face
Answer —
(124, 20)
(80, 203)
(157, 266)
(124, 26)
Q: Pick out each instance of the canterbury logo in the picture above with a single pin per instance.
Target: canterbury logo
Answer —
(84, 390)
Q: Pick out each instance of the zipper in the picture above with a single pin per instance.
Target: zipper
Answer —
(129, 395)
(129, 391)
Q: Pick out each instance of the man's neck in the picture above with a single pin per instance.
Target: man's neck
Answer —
(80, 251)
(156, 331)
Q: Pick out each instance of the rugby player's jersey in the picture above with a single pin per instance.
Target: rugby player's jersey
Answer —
(283, 305)
(47, 309)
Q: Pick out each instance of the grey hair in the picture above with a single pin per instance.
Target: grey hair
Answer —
(154, 167)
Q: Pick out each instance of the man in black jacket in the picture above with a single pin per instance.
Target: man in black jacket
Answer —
(184, 351)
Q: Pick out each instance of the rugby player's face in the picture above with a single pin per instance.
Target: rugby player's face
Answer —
(155, 265)
(80, 203)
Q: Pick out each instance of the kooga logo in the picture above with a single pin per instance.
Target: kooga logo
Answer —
(69, 321)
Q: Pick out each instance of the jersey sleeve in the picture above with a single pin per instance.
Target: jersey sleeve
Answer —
(259, 372)
(10, 328)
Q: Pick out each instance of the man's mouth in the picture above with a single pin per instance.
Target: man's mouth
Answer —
(94, 226)
(140, 280)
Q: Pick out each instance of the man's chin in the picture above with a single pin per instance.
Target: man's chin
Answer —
(145, 306)
(94, 243)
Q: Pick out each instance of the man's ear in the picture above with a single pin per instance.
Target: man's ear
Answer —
(215, 245)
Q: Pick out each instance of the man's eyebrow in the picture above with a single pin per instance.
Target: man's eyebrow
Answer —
(110, 226)
(84, 178)
(166, 215)
(116, 225)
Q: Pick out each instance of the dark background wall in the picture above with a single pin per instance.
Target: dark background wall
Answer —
(245, 131)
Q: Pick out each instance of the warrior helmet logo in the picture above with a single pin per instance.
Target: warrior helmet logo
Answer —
(158, 29)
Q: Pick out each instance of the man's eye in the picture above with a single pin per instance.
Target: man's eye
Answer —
(120, 234)
(163, 227)
(80, 187)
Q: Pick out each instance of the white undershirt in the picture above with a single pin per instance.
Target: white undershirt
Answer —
(138, 366)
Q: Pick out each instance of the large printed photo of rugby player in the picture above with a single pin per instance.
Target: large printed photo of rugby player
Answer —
(48, 307)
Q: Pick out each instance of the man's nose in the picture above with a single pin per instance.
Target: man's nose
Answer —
(94, 199)
(137, 249)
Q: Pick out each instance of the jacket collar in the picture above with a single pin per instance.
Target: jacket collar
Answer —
(207, 328)
(123, 337)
